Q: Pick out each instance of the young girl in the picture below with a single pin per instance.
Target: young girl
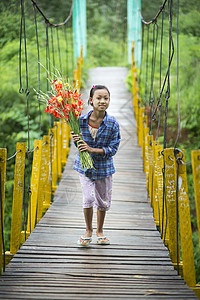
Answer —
(101, 138)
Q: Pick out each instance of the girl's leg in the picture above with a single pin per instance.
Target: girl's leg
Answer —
(88, 202)
(100, 221)
(88, 214)
(103, 191)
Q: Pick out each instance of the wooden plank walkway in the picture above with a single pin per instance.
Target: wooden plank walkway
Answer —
(136, 265)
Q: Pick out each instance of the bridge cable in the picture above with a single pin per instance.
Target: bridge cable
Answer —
(147, 58)
(152, 94)
(47, 20)
(167, 96)
(142, 54)
(178, 104)
(160, 105)
(52, 46)
(59, 52)
(178, 159)
(72, 42)
(27, 92)
(48, 64)
(38, 56)
(67, 51)
(156, 16)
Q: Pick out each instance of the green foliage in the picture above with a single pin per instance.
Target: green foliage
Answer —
(13, 105)
(106, 33)
(105, 52)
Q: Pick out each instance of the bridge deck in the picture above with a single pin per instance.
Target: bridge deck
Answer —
(136, 265)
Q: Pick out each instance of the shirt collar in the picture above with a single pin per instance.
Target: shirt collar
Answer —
(105, 119)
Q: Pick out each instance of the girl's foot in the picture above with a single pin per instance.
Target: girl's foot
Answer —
(86, 238)
(101, 239)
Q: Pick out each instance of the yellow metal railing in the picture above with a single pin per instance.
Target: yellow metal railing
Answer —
(49, 158)
(176, 190)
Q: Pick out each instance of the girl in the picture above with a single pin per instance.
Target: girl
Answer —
(101, 138)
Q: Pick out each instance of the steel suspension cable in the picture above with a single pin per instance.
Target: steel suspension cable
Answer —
(141, 65)
(156, 16)
(67, 51)
(147, 58)
(59, 52)
(27, 91)
(152, 94)
(178, 104)
(47, 20)
(38, 56)
(52, 46)
(48, 64)
(167, 96)
(160, 75)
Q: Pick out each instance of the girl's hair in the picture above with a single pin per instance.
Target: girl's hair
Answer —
(98, 87)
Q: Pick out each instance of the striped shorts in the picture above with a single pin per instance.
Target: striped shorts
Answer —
(96, 193)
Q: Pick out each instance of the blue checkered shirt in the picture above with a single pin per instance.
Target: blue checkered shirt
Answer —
(108, 139)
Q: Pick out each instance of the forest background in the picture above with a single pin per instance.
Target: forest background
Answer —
(107, 46)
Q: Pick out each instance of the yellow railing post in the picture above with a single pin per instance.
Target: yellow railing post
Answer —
(141, 126)
(196, 178)
(159, 167)
(47, 189)
(34, 186)
(170, 190)
(145, 148)
(3, 157)
(44, 172)
(155, 183)
(146, 156)
(59, 148)
(54, 159)
(185, 225)
(150, 161)
(17, 198)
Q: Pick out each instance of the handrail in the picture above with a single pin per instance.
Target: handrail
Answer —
(175, 184)
(49, 158)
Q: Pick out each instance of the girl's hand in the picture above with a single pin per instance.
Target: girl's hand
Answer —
(83, 146)
(75, 137)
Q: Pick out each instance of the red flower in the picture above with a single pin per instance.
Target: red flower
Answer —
(66, 95)
(80, 102)
(68, 107)
(76, 95)
(58, 85)
(74, 105)
(52, 100)
(53, 81)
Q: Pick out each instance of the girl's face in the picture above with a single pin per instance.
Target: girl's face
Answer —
(100, 100)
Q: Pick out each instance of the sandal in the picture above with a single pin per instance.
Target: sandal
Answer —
(102, 242)
(89, 239)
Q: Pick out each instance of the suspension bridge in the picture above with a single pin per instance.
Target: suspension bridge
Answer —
(148, 222)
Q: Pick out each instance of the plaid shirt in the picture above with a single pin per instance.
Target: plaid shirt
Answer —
(108, 139)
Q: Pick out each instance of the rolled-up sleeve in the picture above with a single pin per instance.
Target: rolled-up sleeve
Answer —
(114, 143)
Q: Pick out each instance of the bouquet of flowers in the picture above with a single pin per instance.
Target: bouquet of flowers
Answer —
(64, 102)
